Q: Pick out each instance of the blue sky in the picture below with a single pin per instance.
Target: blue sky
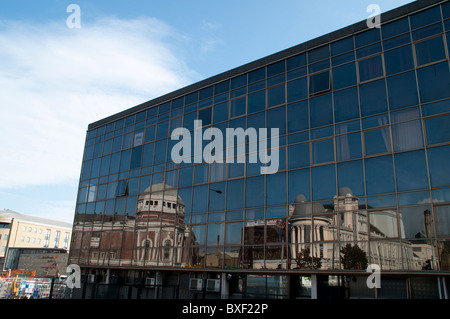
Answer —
(56, 80)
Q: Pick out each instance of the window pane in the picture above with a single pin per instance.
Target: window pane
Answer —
(428, 31)
(443, 220)
(296, 61)
(342, 46)
(205, 116)
(399, 60)
(220, 112)
(438, 166)
(125, 160)
(276, 68)
(235, 194)
(430, 50)
(276, 192)
(348, 146)
(319, 82)
(234, 233)
(298, 155)
(238, 107)
(402, 90)
(160, 151)
(217, 197)
(379, 175)
(104, 168)
(373, 98)
(297, 116)
(122, 188)
(438, 129)
(393, 28)
(318, 54)
(136, 157)
(367, 37)
(377, 141)
(434, 82)
(276, 118)
(407, 136)
(351, 175)
(257, 101)
(201, 173)
(346, 104)
(199, 202)
(370, 68)
(344, 76)
(397, 41)
(299, 184)
(148, 154)
(425, 17)
(186, 174)
(411, 171)
(276, 96)
(297, 90)
(321, 110)
(162, 131)
(322, 151)
(323, 182)
(255, 191)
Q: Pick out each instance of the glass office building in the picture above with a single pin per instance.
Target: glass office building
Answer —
(363, 175)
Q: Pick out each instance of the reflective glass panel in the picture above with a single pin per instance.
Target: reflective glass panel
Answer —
(319, 82)
(297, 89)
(351, 175)
(443, 220)
(411, 170)
(257, 101)
(373, 98)
(399, 60)
(322, 151)
(416, 222)
(407, 136)
(377, 141)
(323, 182)
(434, 81)
(321, 110)
(276, 96)
(438, 166)
(379, 175)
(344, 76)
(438, 129)
(370, 68)
(348, 146)
(276, 189)
(299, 184)
(430, 50)
(346, 104)
(402, 90)
(235, 194)
(255, 191)
(298, 155)
(297, 116)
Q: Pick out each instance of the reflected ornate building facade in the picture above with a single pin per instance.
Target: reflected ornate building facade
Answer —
(363, 177)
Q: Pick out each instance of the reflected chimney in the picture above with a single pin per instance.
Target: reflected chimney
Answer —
(427, 215)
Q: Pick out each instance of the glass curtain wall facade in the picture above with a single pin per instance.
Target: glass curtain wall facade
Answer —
(363, 175)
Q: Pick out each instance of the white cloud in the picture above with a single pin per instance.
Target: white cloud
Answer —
(55, 81)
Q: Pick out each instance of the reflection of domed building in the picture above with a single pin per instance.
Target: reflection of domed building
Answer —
(319, 227)
(156, 236)
(161, 233)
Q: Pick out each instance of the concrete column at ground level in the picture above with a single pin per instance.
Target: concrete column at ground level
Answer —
(313, 286)
(224, 286)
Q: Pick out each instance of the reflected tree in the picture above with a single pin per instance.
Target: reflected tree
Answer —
(306, 261)
(353, 257)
